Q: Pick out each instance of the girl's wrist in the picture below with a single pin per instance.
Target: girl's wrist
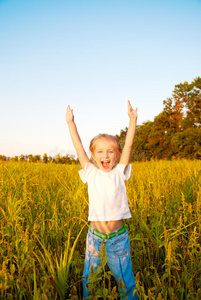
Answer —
(70, 122)
(133, 119)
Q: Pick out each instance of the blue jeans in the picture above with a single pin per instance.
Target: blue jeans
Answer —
(118, 260)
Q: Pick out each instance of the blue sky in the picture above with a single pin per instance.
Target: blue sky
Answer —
(93, 55)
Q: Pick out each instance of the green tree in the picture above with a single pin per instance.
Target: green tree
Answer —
(142, 147)
(45, 158)
(30, 158)
(188, 143)
(189, 95)
(57, 159)
(50, 159)
(37, 158)
(3, 157)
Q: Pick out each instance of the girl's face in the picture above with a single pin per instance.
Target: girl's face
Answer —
(105, 154)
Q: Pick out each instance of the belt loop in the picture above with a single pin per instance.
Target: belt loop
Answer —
(92, 230)
(116, 232)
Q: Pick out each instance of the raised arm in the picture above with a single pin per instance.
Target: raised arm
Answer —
(125, 156)
(82, 156)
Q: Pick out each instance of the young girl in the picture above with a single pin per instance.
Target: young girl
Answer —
(108, 204)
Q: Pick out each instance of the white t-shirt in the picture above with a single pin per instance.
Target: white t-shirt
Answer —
(107, 192)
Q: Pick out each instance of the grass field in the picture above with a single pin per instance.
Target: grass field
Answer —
(43, 219)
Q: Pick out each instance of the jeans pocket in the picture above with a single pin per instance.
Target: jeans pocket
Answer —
(93, 245)
(120, 247)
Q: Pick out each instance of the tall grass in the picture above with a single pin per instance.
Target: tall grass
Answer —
(43, 219)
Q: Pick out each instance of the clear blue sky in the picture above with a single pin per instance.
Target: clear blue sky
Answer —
(93, 55)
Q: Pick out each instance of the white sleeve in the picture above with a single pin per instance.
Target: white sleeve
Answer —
(122, 167)
(84, 173)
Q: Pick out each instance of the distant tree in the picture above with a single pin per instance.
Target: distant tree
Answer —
(73, 159)
(158, 135)
(142, 147)
(3, 157)
(22, 157)
(173, 114)
(57, 159)
(188, 143)
(122, 136)
(189, 95)
(45, 158)
(66, 159)
(37, 158)
(30, 158)
(50, 159)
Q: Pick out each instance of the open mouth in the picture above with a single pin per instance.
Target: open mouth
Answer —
(105, 164)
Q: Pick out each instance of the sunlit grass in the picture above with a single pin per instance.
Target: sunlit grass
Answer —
(43, 216)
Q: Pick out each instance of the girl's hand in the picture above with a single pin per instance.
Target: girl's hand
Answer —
(132, 113)
(69, 115)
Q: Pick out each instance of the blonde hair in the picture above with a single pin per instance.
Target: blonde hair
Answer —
(107, 137)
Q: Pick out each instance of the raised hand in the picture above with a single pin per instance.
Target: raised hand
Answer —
(130, 135)
(69, 115)
(132, 113)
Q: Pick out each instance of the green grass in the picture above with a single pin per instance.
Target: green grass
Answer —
(43, 219)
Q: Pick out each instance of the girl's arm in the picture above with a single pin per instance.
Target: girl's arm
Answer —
(125, 156)
(82, 156)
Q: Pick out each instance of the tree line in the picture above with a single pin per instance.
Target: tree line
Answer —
(58, 159)
(174, 133)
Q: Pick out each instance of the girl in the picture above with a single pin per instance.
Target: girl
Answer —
(108, 204)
